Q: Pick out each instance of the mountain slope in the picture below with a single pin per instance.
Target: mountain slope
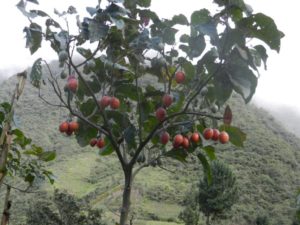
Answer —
(267, 167)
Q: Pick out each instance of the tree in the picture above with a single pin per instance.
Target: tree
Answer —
(216, 199)
(18, 156)
(69, 209)
(190, 214)
(124, 44)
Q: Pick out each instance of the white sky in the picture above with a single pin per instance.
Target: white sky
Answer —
(280, 84)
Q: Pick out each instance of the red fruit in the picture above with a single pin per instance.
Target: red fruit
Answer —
(63, 127)
(185, 142)
(216, 134)
(69, 132)
(164, 137)
(72, 84)
(161, 114)
(71, 77)
(114, 103)
(105, 101)
(179, 77)
(100, 143)
(93, 142)
(195, 137)
(167, 100)
(145, 21)
(224, 137)
(73, 126)
(208, 133)
(177, 141)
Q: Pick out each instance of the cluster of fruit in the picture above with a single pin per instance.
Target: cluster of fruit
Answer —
(180, 140)
(68, 127)
(105, 101)
(97, 141)
(167, 99)
(216, 135)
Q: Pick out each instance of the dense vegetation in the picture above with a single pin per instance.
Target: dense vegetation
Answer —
(266, 169)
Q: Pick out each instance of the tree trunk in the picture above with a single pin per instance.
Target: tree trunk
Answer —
(7, 204)
(126, 196)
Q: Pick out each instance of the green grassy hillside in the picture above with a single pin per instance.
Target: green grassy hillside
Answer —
(267, 168)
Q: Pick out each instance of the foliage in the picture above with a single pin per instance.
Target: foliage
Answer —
(217, 198)
(24, 160)
(268, 162)
(262, 220)
(220, 61)
(190, 214)
(64, 210)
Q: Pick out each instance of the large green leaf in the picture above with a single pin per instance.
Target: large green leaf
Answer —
(206, 167)
(33, 37)
(241, 77)
(143, 3)
(179, 154)
(169, 35)
(85, 133)
(210, 152)
(97, 30)
(262, 27)
(197, 45)
(129, 135)
(36, 73)
(180, 19)
(47, 156)
(200, 17)
(222, 88)
(243, 81)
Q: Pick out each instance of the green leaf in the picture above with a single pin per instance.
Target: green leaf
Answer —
(261, 50)
(33, 37)
(197, 45)
(129, 135)
(129, 91)
(49, 175)
(86, 53)
(210, 152)
(97, 30)
(169, 35)
(180, 19)
(206, 167)
(262, 27)
(144, 3)
(36, 73)
(39, 13)
(179, 154)
(237, 137)
(33, 1)
(47, 156)
(222, 88)
(189, 70)
(184, 38)
(116, 1)
(243, 81)
(200, 17)
(85, 133)
(240, 76)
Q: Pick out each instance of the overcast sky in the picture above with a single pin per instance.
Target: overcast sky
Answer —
(280, 84)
